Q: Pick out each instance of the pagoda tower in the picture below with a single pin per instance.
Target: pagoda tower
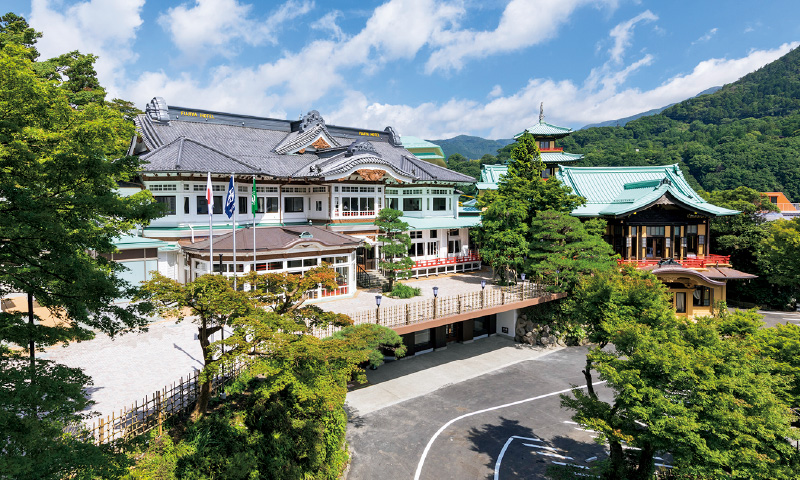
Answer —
(546, 136)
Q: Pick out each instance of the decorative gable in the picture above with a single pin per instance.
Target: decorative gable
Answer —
(312, 135)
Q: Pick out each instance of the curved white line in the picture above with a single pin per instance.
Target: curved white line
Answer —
(503, 452)
(518, 402)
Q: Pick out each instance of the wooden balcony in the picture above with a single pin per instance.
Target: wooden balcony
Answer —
(702, 261)
(432, 312)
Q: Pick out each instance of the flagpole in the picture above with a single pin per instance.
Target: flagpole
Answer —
(253, 208)
(210, 206)
(234, 232)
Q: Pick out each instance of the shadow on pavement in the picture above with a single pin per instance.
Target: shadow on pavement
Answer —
(454, 352)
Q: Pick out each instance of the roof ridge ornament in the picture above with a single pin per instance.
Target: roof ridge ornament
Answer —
(361, 146)
(394, 138)
(311, 120)
(541, 112)
(157, 110)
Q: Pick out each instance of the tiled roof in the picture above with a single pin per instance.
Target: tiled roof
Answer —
(615, 191)
(224, 146)
(275, 238)
(432, 223)
(546, 130)
(560, 157)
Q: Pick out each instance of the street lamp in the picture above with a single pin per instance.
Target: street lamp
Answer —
(483, 292)
(522, 276)
(435, 294)
(378, 299)
(483, 284)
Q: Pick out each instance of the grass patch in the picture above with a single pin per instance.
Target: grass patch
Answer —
(404, 291)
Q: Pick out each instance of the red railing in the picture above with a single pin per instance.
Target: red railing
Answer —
(332, 293)
(554, 149)
(696, 262)
(469, 257)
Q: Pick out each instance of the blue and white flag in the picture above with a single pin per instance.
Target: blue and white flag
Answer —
(230, 199)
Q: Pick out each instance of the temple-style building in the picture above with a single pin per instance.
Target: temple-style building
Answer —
(658, 222)
(545, 135)
(319, 188)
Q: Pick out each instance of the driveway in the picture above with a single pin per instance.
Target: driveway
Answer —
(504, 424)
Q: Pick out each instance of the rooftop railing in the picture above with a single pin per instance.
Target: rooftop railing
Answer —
(701, 261)
(472, 256)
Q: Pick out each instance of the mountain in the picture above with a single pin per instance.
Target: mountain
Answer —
(621, 122)
(471, 147)
(745, 134)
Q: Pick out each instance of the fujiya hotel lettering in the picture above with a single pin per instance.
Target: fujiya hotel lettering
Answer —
(195, 114)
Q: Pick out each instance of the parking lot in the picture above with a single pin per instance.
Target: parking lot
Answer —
(504, 424)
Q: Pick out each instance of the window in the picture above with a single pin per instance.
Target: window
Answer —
(773, 199)
(393, 203)
(169, 201)
(454, 247)
(433, 233)
(158, 187)
(544, 145)
(294, 264)
(293, 204)
(412, 205)
(416, 249)
(319, 205)
(422, 339)
(439, 191)
(202, 205)
(415, 234)
(243, 205)
(433, 248)
(310, 262)
(633, 231)
(655, 231)
(453, 232)
(691, 239)
(186, 205)
(272, 204)
(319, 189)
(680, 302)
(439, 204)
(701, 296)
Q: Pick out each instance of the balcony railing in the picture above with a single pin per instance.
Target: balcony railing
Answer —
(410, 313)
(788, 207)
(689, 262)
(554, 149)
(355, 213)
(455, 259)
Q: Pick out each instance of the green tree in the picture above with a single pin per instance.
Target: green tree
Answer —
(506, 236)
(394, 245)
(562, 251)
(59, 215)
(777, 254)
(690, 388)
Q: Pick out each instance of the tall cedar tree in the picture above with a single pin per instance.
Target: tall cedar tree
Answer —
(59, 215)
(394, 245)
(695, 389)
(506, 237)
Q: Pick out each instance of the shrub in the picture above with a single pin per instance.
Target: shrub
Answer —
(404, 291)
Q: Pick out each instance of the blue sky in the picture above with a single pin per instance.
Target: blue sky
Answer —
(432, 69)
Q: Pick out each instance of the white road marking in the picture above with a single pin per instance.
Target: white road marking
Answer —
(500, 457)
(662, 465)
(590, 459)
(541, 447)
(570, 422)
(571, 465)
(554, 455)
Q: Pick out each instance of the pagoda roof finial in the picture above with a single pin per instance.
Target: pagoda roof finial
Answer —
(541, 112)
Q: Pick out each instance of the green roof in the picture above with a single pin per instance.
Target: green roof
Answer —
(619, 191)
(490, 174)
(427, 155)
(127, 242)
(544, 129)
(432, 223)
(412, 144)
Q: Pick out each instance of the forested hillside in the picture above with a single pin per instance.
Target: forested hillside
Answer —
(471, 147)
(745, 134)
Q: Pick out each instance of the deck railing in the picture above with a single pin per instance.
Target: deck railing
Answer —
(689, 262)
(472, 256)
(410, 313)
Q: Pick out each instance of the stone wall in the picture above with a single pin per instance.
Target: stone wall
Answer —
(535, 333)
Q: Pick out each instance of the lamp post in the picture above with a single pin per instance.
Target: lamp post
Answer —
(378, 299)
(483, 292)
(522, 276)
(220, 264)
(435, 295)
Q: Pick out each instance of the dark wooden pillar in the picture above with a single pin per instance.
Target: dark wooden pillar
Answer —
(466, 332)
(439, 337)
(492, 324)
(408, 341)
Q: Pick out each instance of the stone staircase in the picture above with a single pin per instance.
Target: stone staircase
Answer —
(365, 279)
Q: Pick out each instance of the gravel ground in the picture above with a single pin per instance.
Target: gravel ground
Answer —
(130, 366)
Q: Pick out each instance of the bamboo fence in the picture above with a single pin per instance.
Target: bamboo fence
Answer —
(416, 312)
(153, 411)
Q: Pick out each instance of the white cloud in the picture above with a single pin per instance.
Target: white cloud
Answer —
(496, 91)
(523, 23)
(328, 23)
(106, 28)
(707, 36)
(213, 27)
(622, 33)
(565, 102)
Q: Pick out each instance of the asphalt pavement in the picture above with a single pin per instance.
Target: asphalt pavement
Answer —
(504, 424)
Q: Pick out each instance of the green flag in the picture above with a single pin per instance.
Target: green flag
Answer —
(254, 203)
